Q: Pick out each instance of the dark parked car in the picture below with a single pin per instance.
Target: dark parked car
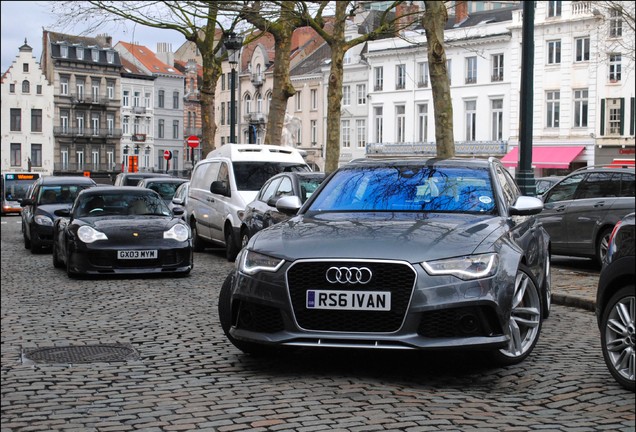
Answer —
(48, 194)
(121, 230)
(164, 186)
(542, 184)
(397, 254)
(132, 178)
(616, 304)
(581, 210)
(262, 213)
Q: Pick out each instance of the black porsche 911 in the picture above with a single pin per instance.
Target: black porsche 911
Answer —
(121, 230)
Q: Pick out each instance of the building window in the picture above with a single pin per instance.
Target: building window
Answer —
(175, 100)
(175, 129)
(448, 70)
(422, 74)
(16, 120)
(36, 155)
(162, 127)
(110, 89)
(299, 105)
(247, 103)
(222, 81)
(582, 49)
(38, 89)
(136, 99)
(79, 119)
(615, 67)
(361, 132)
(259, 103)
(361, 90)
(615, 116)
(11, 88)
(64, 158)
(95, 55)
(554, 8)
(580, 108)
(377, 123)
(314, 131)
(422, 122)
(553, 108)
(162, 96)
(125, 98)
(222, 113)
(496, 107)
(25, 67)
(346, 95)
(400, 77)
(147, 103)
(345, 133)
(471, 70)
(497, 67)
(95, 160)
(314, 99)
(64, 51)
(95, 92)
(16, 154)
(136, 125)
(616, 23)
(470, 108)
(554, 52)
(110, 56)
(79, 51)
(26, 86)
(79, 89)
(79, 154)
(110, 123)
(125, 125)
(64, 86)
(36, 120)
(64, 121)
(400, 123)
(378, 78)
(95, 124)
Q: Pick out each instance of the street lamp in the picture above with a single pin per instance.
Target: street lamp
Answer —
(233, 44)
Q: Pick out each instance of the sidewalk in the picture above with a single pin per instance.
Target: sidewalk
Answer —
(574, 288)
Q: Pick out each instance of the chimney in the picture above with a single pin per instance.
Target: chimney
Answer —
(461, 12)
(105, 40)
(165, 54)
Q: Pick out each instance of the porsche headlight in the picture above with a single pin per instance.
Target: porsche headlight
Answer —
(253, 262)
(89, 235)
(178, 232)
(43, 220)
(466, 267)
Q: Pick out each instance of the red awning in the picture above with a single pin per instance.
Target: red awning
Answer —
(545, 157)
(623, 163)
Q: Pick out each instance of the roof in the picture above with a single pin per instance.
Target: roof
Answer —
(66, 180)
(149, 60)
(483, 17)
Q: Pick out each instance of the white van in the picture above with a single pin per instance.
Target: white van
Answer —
(224, 182)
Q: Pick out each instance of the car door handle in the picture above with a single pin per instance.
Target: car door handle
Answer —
(560, 209)
(600, 204)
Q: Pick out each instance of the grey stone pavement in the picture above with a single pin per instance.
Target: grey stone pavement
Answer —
(574, 282)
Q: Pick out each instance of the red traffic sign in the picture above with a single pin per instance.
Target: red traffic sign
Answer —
(167, 155)
(193, 141)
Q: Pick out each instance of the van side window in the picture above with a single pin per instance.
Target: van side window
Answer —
(224, 174)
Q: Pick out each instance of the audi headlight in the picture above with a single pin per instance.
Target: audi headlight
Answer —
(43, 220)
(89, 235)
(178, 232)
(253, 262)
(466, 268)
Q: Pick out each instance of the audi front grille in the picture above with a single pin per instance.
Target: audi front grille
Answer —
(398, 278)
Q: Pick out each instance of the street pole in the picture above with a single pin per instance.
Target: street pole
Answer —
(525, 174)
(233, 44)
(233, 105)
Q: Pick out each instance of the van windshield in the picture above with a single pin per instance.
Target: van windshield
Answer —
(250, 176)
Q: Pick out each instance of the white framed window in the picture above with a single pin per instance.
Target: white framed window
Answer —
(125, 125)
(470, 110)
(95, 160)
(346, 95)
(361, 90)
(553, 108)
(64, 51)
(314, 99)
(95, 92)
(125, 98)
(95, 124)
(248, 104)
(110, 159)
(79, 88)
(110, 56)
(377, 123)
(616, 23)
(299, 100)
(497, 61)
(582, 49)
(422, 122)
(614, 67)
(79, 119)
(580, 108)
(378, 78)
(136, 99)
(554, 52)
(554, 8)
(496, 115)
(422, 74)
(95, 54)
(147, 101)
(110, 123)
(110, 90)
(471, 70)
(64, 121)
(64, 86)
(361, 133)
(64, 158)
(79, 155)
(400, 76)
(313, 128)
(400, 123)
(345, 133)
(79, 51)
(614, 116)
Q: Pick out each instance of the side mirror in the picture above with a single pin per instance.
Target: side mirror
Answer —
(289, 205)
(26, 202)
(526, 205)
(64, 212)
(178, 211)
(220, 187)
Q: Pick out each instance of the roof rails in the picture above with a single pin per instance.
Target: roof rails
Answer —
(611, 165)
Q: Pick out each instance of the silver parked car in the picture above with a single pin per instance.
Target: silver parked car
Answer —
(397, 254)
(581, 210)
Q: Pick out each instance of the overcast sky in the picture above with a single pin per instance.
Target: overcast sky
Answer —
(26, 19)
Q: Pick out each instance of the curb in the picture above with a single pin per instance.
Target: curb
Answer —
(578, 302)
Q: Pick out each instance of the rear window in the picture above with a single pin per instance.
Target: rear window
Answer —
(251, 176)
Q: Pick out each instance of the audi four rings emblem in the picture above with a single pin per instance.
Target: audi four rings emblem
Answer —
(351, 275)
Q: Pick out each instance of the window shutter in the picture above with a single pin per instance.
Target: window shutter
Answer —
(631, 118)
(602, 131)
(622, 116)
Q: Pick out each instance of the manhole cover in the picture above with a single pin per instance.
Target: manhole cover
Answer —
(81, 354)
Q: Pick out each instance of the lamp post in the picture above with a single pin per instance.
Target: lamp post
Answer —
(233, 44)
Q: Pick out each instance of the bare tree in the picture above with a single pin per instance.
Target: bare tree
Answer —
(619, 27)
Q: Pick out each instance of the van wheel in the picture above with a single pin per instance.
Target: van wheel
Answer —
(197, 242)
(231, 249)
(245, 237)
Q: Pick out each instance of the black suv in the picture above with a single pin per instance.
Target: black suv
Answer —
(580, 211)
(616, 304)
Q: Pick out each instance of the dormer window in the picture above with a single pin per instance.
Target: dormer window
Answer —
(64, 51)
(80, 53)
(110, 56)
(95, 55)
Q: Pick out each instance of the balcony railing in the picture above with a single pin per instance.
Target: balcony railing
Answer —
(61, 131)
(139, 110)
(421, 84)
(256, 117)
(471, 80)
(496, 77)
(400, 86)
(377, 87)
(257, 79)
(193, 131)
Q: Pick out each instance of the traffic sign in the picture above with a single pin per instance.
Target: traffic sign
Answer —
(167, 155)
(193, 141)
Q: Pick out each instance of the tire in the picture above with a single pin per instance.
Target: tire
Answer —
(198, 244)
(27, 242)
(245, 237)
(546, 289)
(602, 243)
(225, 317)
(231, 248)
(36, 246)
(618, 335)
(57, 263)
(69, 272)
(524, 326)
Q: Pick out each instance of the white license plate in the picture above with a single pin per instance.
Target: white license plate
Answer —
(349, 300)
(137, 254)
